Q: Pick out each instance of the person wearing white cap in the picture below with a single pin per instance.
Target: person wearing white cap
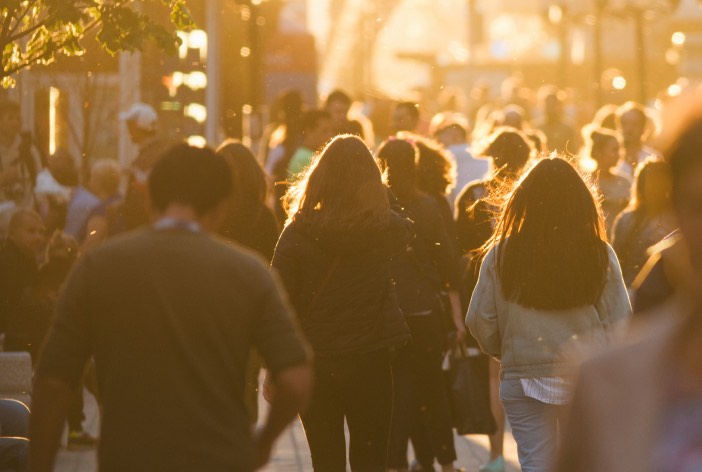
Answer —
(142, 122)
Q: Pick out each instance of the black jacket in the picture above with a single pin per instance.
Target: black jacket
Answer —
(341, 286)
(18, 271)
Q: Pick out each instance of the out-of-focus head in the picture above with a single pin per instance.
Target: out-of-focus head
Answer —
(27, 232)
(606, 117)
(538, 140)
(552, 102)
(337, 105)
(342, 189)
(631, 121)
(513, 117)
(604, 147)
(405, 117)
(683, 151)
(398, 161)
(63, 167)
(436, 168)
(248, 179)
(653, 185)
(509, 149)
(104, 177)
(190, 176)
(10, 119)
(141, 120)
(449, 128)
(317, 128)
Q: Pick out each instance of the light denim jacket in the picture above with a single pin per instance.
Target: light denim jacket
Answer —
(534, 343)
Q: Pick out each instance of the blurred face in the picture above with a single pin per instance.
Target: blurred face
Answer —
(320, 135)
(608, 156)
(10, 124)
(632, 127)
(688, 208)
(338, 111)
(403, 120)
(29, 235)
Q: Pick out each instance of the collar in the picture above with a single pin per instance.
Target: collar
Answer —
(169, 222)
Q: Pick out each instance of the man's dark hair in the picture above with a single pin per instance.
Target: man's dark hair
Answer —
(338, 96)
(190, 176)
(412, 108)
(8, 106)
(310, 119)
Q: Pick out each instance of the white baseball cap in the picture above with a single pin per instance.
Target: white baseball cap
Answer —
(142, 115)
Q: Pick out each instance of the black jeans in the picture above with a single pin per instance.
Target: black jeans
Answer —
(422, 406)
(358, 388)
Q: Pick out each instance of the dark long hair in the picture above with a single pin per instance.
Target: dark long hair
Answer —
(341, 190)
(398, 161)
(436, 171)
(550, 238)
(248, 182)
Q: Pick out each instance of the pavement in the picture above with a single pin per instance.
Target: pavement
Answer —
(291, 453)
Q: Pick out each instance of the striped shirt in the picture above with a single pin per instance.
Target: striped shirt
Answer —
(551, 390)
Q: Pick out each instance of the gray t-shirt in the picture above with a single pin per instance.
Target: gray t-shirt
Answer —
(170, 317)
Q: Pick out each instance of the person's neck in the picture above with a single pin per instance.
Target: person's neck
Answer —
(632, 150)
(187, 215)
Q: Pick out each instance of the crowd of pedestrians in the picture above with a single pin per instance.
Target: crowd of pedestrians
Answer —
(353, 268)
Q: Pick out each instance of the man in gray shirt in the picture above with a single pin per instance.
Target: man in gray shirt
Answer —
(169, 314)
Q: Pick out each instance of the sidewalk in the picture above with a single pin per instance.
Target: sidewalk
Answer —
(291, 452)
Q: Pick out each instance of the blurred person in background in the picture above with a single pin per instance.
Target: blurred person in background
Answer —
(633, 124)
(560, 135)
(647, 220)
(103, 220)
(614, 187)
(436, 177)
(54, 189)
(20, 163)
(510, 151)
(405, 117)
(317, 129)
(549, 287)
(422, 276)
(606, 117)
(142, 124)
(283, 134)
(251, 223)
(19, 260)
(338, 104)
(334, 257)
(452, 132)
(639, 407)
(171, 331)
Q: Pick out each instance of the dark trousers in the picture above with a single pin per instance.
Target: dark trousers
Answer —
(358, 388)
(423, 410)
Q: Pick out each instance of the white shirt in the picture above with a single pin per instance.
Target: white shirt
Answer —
(468, 168)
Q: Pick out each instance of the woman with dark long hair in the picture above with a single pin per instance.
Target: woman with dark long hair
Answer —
(549, 287)
(427, 269)
(251, 223)
(648, 218)
(334, 259)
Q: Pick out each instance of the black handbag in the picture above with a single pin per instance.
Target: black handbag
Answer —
(469, 377)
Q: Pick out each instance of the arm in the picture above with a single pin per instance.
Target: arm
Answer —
(613, 306)
(49, 408)
(60, 368)
(482, 312)
(281, 346)
(292, 388)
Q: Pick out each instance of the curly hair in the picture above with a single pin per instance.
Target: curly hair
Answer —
(436, 169)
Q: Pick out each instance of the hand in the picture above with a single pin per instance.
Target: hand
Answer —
(460, 333)
(262, 450)
(268, 389)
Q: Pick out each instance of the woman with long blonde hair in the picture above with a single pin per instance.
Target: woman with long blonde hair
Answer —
(334, 259)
